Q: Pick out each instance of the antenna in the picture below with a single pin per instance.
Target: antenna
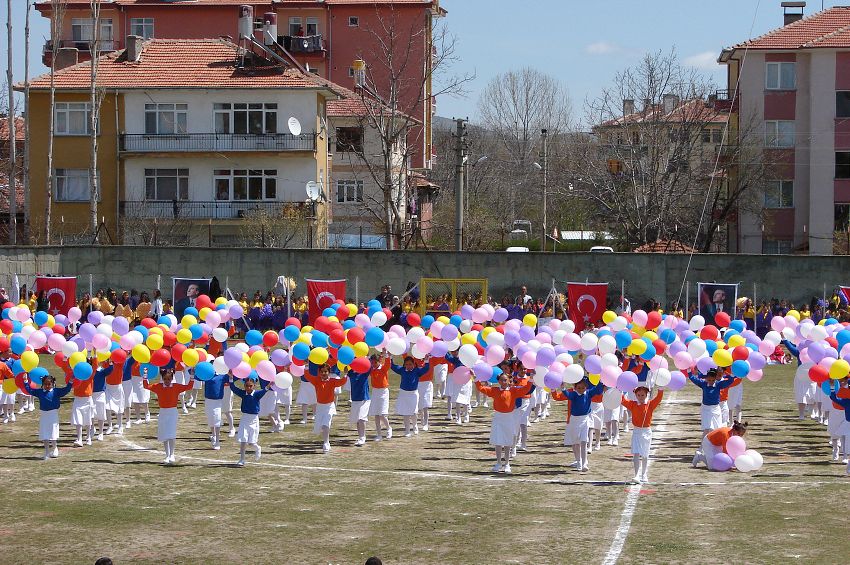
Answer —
(313, 192)
(294, 126)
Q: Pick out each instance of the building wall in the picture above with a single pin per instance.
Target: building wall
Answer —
(819, 133)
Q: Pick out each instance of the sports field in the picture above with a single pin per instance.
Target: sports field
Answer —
(427, 499)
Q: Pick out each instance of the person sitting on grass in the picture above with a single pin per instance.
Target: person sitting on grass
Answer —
(714, 442)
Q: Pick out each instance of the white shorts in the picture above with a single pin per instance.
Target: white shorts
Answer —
(48, 425)
(596, 413)
(268, 404)
(81, 411)
(379, 404)
(127, 391)
(843, 429)
(736, 396)
(7, 398)
(212, 407)
(426, 395)
(641, 440)
(181, 377)
(611, 415)
(503, 429)
(577, 430)
(724, 411)
(284, 396)
(166, 424)
(227, 401)
(140, 393)
(306, 393)
(249, 428)
(324, 417)
(407, 402)
(115, 398)
(804, 387)
(197, 385)
(359, 411)
(711, 417)
(523, 412)
(99, 406)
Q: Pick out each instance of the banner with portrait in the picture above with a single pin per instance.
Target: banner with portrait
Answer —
(186, 291)
(715, 298)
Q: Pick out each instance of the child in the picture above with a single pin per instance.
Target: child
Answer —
(181, 377)
(715, 441)
(284, 398)
(724, 399)
(459, 394)
(320, 378)
(408, 394)
(710, 414)
(227, 410)
(642, 432)
(441, 374)
(213, 399)
(131, 369)
(735, 401)
(48, 404)
(115, 399)
(426, 394)
(306, 398)
(523, 407)
(503, 427)
(99, 413)
(167, 393)
(578, 419)
(269, 409)
(379, 405)
(844, 429)
(81, 409)
(249, 423)
(141, 399)
(596, 413)
(360, 404)
(7, 401)
(611, 418)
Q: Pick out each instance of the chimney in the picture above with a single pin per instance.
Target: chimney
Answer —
(134, 48)
(670, 103)
(67, 56)
(628, 107)
(792, 11)
(647, 105)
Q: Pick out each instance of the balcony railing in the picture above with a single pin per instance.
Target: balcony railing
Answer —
(303, 43)
(188, 142)
(211, 210)
(104, 45)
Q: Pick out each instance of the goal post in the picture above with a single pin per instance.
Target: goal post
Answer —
(441, 297)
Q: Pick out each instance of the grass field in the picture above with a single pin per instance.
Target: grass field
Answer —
(427, 499)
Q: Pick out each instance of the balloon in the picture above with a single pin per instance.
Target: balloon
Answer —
(758, 460)
(374, 337)
(482, 371)
(530, 320)
(266, 370)
(204, 371)
(696, 323)
(141, 353)
(839, 369)
(379, 318)
(818, 373)
(721, 462)
(677, 380)
(468, 355)
(190, 357)
(460, 375)
(683, 361)
(253, 337)
(573, 374)
(722, 357)
(627, 381)
(722, 319)
(740, 368)
(29, 360)
(82, 371)
(494, 355)
(735, 446)
(319, 356)
(283, 380)
(745, 463)
(500, 315)
(397, 346)
(639, 317)
(593, 364)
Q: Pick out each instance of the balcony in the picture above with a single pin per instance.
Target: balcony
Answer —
(211, 209)
(82, 45)
(724, 101)
(215, 142)
(303, 43)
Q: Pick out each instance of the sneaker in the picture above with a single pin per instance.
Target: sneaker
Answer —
(46, 456)
(416, 430)
(513, 451)
(616, 442)
(258, 453)
(597, 447)
(697, 459)
(644, 478)
(6, 420)
(78, 443)
(22, 410)
(55, 452)
(286, 422)
(231, 433)
(99, 437)
(166, 461)
(449, 417)
(574, 464)
(466, 419)
(120, 432)
(147, 417)
(636, 479)
(389, 433)
(185, 410)
(139, 422)
(425, 428)
(408, 434)
(326, 447)
(522, 447)
(240, 463)
(128, 425)
(378, 437)
(584, 469)
(14, 418)
(303, 420)
(497, 468)
(216, 446)
(459, 421)
(507, 468)
(88, 440)
(109, 430)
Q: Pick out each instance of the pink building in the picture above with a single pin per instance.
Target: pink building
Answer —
(794, 84)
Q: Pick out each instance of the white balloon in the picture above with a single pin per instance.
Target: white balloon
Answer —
(68, 348)
(573, 374)
(805, 329)
(495, 338)
(534, 345)
(416, 353)
(219, 335)
(607, 344)
(610, 360)
(136, 336)
(696, 348)
(558, 336)
(453, 344)
(414, 334)
(758, 460)
(745, 463)
(242, 346)
(773, 337)
(696, 323)
(612, 399)
(589, 341)
(565, 358)
(220, 366)
(662, 377)
(379, 318)
(468, 355)
(397, 346)
(27, 331)
(465, 326)
(818, 333)
(568, 326)
(619, 323)
(283, 380)
(104, 329)
(788, 334)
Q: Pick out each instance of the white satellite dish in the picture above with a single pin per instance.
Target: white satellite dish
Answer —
(294, 126)
(313, 191)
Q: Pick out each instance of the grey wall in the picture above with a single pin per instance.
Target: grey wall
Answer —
(646, 275)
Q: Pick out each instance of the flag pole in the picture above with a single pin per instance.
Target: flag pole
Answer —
(622, 294)
(687, 309)
(357, 291)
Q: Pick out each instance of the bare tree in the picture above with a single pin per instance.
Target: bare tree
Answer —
(57, 11)
(95, 99)
(394, 88)
(277, 229)
(26, 163)
(13, 207)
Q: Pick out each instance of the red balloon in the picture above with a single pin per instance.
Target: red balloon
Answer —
(203, 339)
(660, 346)
(59, 360)
(342, 312)
(160, 358)
(479, 348)
(59, 329)
(202, 355)
(818, 374)
(337, 337)
(722, 319)
(709, 333)
(388, 312)
(321, 323)
(653, 320)
(7, 305)
(413, 320)
(6, 326)
(293, 322)
(118, 356)
(203, 301)
(361, 365)
(741, 353)
(148, 323)
(270, 339)
(476, 327)
(169, 339)
(355, 335)
(19, 380)
(177, 351)
(832, 342)
(4, 342)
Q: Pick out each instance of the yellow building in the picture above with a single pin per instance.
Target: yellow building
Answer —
(200, 142)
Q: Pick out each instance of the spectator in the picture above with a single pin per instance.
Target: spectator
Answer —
(523, 298)
(386, 296)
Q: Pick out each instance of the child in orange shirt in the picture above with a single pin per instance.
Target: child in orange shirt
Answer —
(715, 441)
(642, 433)
(379, 404)
(320, 377)
(503, 427)
(167, 393)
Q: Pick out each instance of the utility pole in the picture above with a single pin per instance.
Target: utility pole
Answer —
(460, 142)
(544, 135)
(13, 190)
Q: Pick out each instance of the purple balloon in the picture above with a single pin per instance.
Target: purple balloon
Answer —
(512, 338)
(830, 352)
(449, 332)
(721, 462)
(236, 311)
(95, 317)
(280, 358)
(816, 352)
(757, 360)
(553, 380)
(440, 349)
(705, 364)
(120, 325)
(627, 381)
(676, 347)
(521, 351)
(546, 330)
(677, 380)
(466, 311)
(87, 331)
(482, 371)
(559, 349)
(526, 333)
(61, 320)
(545, 356)
(500, 315)
(593, 364)
(232, 357)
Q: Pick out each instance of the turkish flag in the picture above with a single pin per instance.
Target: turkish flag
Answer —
(845, 290)
(322, 294)
(61, 292)
(587, 303)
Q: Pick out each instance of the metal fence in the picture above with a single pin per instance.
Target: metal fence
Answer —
(189, 142)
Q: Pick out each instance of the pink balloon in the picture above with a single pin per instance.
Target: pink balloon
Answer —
(766, 348)
(755, 375)
(529, 360)
(296, 370)
(609, 375)
(425, 344)
(572, 342)
(74, 314)
(494, 355)
(735, 446)
(777, 323)
(242, 370)
(266, 370)
(37, 340)
(683, 360)
(460, 375)
(658, 362)
(640, 317)
(55, 342)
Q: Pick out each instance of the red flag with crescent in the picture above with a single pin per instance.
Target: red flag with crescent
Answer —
(587, 303)
(845, 290)
(322, 294)
(61, 293)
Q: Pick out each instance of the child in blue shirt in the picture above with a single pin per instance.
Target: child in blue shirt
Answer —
(48, 404)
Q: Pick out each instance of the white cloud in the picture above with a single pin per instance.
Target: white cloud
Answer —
(601, 48)
(707, 60)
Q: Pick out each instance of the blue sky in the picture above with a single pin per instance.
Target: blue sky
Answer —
(582, 43)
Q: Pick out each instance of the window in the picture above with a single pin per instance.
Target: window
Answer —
(351, 72)
(353, 21)
(295, 28)
(166, 184)
(349, 139)
(254, 118)
(143, 27)
(81, 32)
(717, 135)
(776, 246)
(245, 184)
(781, 76)
(349, 191)
(842, 104)
(165, 118)
(779, 133)
(312, 26)
(259, 24)
(72, 118)
(72, 185)
(842, 164)
(779, 194)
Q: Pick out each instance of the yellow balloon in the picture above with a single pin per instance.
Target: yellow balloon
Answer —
(470, 339)
(190, 357)
(794, 314)
(51, 321)
(352, 310)
(640, 330)
(156, 330)
(9, 386)
(256, 357)
(203, 313)
(29, 360)
(220, 300)
(155, 342)
(594, 379)
(333, 319)
(839, 369)
(141, 353)
(722, 357)
(76, 357)
(361, 349)
(822, 322)
(305, 338)
(650, 335)
(487, 331)
(737, 340)
(319, 356)
(306, 329)
(340, 366)
(188, 321)
(608, 316)
(637, 347)
(184, 336)
(443, 320)
(530, 320)
(246, 359)
(103, 356)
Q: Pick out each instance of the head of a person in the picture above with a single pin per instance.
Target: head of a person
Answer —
(641, 393)
(374, 561)
(581, 386)
(409, 363)
(712, 375)
(48, 382)
(376, 361)
(167, 376)
(157, 293)
(719, 296)
(249, 385)
(504, 380)
(324, 371)
(103, 561)
(192, 291)
(739, 428)
(523, 291)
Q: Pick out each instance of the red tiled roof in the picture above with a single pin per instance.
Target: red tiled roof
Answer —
(828, 28)
(179, 63)
(4, 129)
(45, 4)
(351, 104)
(696, 110)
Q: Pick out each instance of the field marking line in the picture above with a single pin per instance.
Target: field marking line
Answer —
(632, 497)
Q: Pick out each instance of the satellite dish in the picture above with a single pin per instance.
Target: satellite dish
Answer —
(313, 191)
(294, 126)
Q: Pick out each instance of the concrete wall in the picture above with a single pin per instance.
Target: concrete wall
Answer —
(646, 275)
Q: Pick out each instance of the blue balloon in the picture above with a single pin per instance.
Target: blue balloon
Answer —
(328, 312)
(37, 374)
(18, 345)
(373, 310)
(191, 311)
(740, 368)
(345, 355)
(830, 322)
(373, 304)
(82, 371)
(710, 346)
(650, 351)
(40, 318)
(374, 337)
(604, 331)
(196, 330)
(348, 324)
(300, 351)
(291, 333)
(204, 371)
(738, 325)
(455, 320)
(5, 314)
(319, 339)
(842, 337)
(142, 330)
(17, 326)
(668, 336)
(17, 367)
(623, 339)
(253, 337)
(427, 320)
(253, 375)
(151, 371)
(164, 320)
